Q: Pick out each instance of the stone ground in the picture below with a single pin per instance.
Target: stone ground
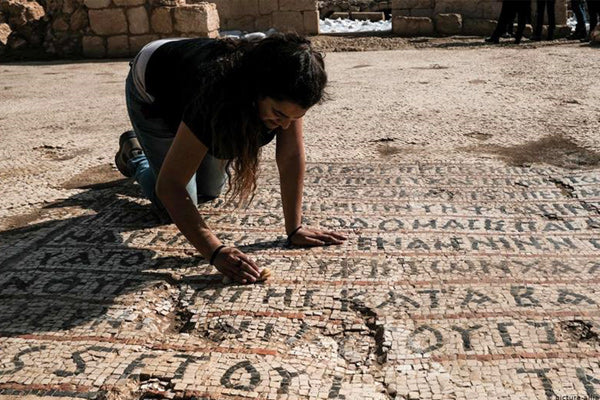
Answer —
(468, 181)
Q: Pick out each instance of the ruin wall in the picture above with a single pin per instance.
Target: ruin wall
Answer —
(301, 16)
(453, 17)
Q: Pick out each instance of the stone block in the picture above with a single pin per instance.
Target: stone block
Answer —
(93, 4)
(467, 8)
(421, 12)
(60, 24)
(196, 18)
(128, 3)
(340, 14)
(137, 18)
(263, 22)
(402, 12)
(93, 46)
(412, 26)
(400, 4)
(311, 22)
(246, 23)
(110, 21)
(5, 32)
(448, 24)
(117, 46)
(267, 6)
(241, 8)
(297, 5)
(224, 7)
(137, 42)
(79, 20)
(161, 20)
(478, 26)
(288, 21)
(368, 16)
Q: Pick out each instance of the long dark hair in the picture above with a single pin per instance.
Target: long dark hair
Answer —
(284, 67)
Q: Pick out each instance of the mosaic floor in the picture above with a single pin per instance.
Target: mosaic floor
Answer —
(458, 281)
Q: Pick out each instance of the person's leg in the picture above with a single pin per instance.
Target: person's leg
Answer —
(505, 16)
(551, 4)
(594, 11)
(523, 11)
(539, 21)
(156, 138)
(579, 11)
(210, 178)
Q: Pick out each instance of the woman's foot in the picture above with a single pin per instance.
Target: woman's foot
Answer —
(129, 147)
(492, 39)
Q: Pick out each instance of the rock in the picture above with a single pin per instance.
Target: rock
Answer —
(138, 20)
(196, 18)
(21, 12)
(108, 22)
(448, 24)
(412, 26)
(161, 20)
(79, 20)
(5, 32)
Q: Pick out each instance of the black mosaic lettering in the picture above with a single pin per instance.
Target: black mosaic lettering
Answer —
(524, 296)
(433, 297)
(287, 296)
(249, 368)
(476, 297)
(336, 386)
(187, 361)
(546, 382)
(286, 379)
(550, 337)
(505, 335)
(465, 334)
(394, 299)
(437, 343)
(588, 382)
(19, 364)
(137, 363)
(79, 362)
(569, 297)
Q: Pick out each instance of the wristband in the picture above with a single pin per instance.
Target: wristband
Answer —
(292, 233)
(216, 253)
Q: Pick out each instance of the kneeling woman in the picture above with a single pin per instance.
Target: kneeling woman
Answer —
(201, 109)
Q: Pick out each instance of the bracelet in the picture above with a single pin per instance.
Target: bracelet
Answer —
(292, 233)
(216, 253)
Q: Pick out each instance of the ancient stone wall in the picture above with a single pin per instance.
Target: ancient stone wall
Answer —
(301, 16)
(122, 27)
(453, 17)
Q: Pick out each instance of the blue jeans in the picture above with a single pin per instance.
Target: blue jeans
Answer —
(156, 138)
(578, 7)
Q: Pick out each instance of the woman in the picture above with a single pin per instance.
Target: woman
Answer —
(202, 108)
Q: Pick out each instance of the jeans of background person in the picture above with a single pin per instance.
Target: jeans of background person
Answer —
(579, 11)
(156, 139)
(510, 8)
(541, 6)
(594, 11)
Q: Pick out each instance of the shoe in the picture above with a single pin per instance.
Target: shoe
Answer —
(129, 147)
(518, 41)
(492, 39)
(535, 38)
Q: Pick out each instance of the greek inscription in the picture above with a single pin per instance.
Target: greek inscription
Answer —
(226, 379)
(432, 337)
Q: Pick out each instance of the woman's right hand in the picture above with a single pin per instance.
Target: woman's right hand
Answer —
(236, 265)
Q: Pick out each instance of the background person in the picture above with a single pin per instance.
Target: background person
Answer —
(541, 6)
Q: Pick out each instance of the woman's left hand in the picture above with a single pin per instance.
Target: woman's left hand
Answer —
(315, 237)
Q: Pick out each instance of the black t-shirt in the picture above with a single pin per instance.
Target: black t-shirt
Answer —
(174, 76)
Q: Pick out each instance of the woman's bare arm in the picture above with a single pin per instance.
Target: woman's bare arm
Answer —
(180, 164)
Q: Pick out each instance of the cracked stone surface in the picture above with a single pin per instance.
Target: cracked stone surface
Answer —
(469, 187)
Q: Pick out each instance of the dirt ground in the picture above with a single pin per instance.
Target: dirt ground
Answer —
(450, 100)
